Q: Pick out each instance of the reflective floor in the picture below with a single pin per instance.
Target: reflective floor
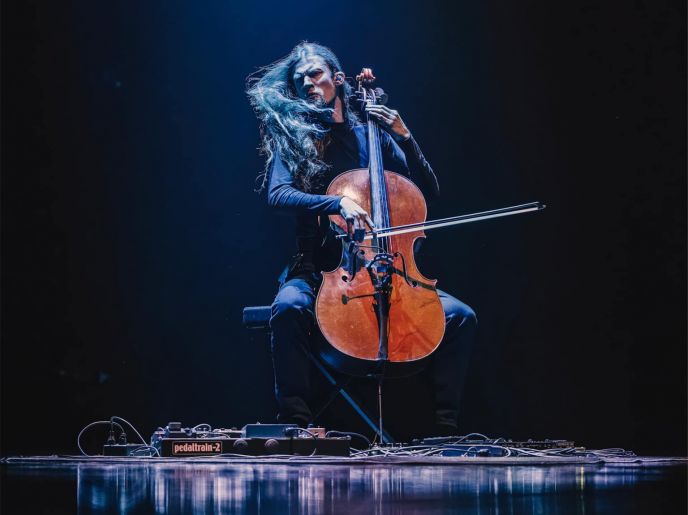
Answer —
(361, 488)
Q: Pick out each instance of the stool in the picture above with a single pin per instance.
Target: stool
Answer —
(258, 317)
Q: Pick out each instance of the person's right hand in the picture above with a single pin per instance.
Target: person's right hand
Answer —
(352, 212)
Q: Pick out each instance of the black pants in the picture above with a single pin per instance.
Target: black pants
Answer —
(293, 322)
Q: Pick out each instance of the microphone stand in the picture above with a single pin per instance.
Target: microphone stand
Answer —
(380, 270)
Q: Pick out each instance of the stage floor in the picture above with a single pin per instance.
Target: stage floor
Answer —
(327, 485)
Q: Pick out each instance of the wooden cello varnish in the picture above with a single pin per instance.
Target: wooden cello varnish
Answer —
(345, 308)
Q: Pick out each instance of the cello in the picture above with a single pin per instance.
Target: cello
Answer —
(376, 310)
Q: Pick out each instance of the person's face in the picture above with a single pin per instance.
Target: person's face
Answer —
(314, 81)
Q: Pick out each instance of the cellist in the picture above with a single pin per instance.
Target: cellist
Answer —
(310, 134)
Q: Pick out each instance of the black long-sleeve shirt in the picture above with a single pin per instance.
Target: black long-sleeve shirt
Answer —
(347, 150)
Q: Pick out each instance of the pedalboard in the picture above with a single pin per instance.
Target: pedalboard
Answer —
(252, 440)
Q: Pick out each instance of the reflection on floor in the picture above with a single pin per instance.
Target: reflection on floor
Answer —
(213, 486)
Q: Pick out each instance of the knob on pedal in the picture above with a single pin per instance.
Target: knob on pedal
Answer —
(272, 446)
(240, 445)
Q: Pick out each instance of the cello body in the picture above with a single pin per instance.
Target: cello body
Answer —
(345, 308)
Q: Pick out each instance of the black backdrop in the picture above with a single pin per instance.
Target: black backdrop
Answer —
(131, 236)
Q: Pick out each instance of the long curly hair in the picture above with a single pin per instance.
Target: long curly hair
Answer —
(290, 127)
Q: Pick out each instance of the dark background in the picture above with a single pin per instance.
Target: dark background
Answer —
(132, 238)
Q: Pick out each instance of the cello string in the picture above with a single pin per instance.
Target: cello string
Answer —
(382, 185)
(379, 200)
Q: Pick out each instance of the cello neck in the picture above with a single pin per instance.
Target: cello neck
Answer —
(378, 188)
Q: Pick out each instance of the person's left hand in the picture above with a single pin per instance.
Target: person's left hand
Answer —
(390, 120)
